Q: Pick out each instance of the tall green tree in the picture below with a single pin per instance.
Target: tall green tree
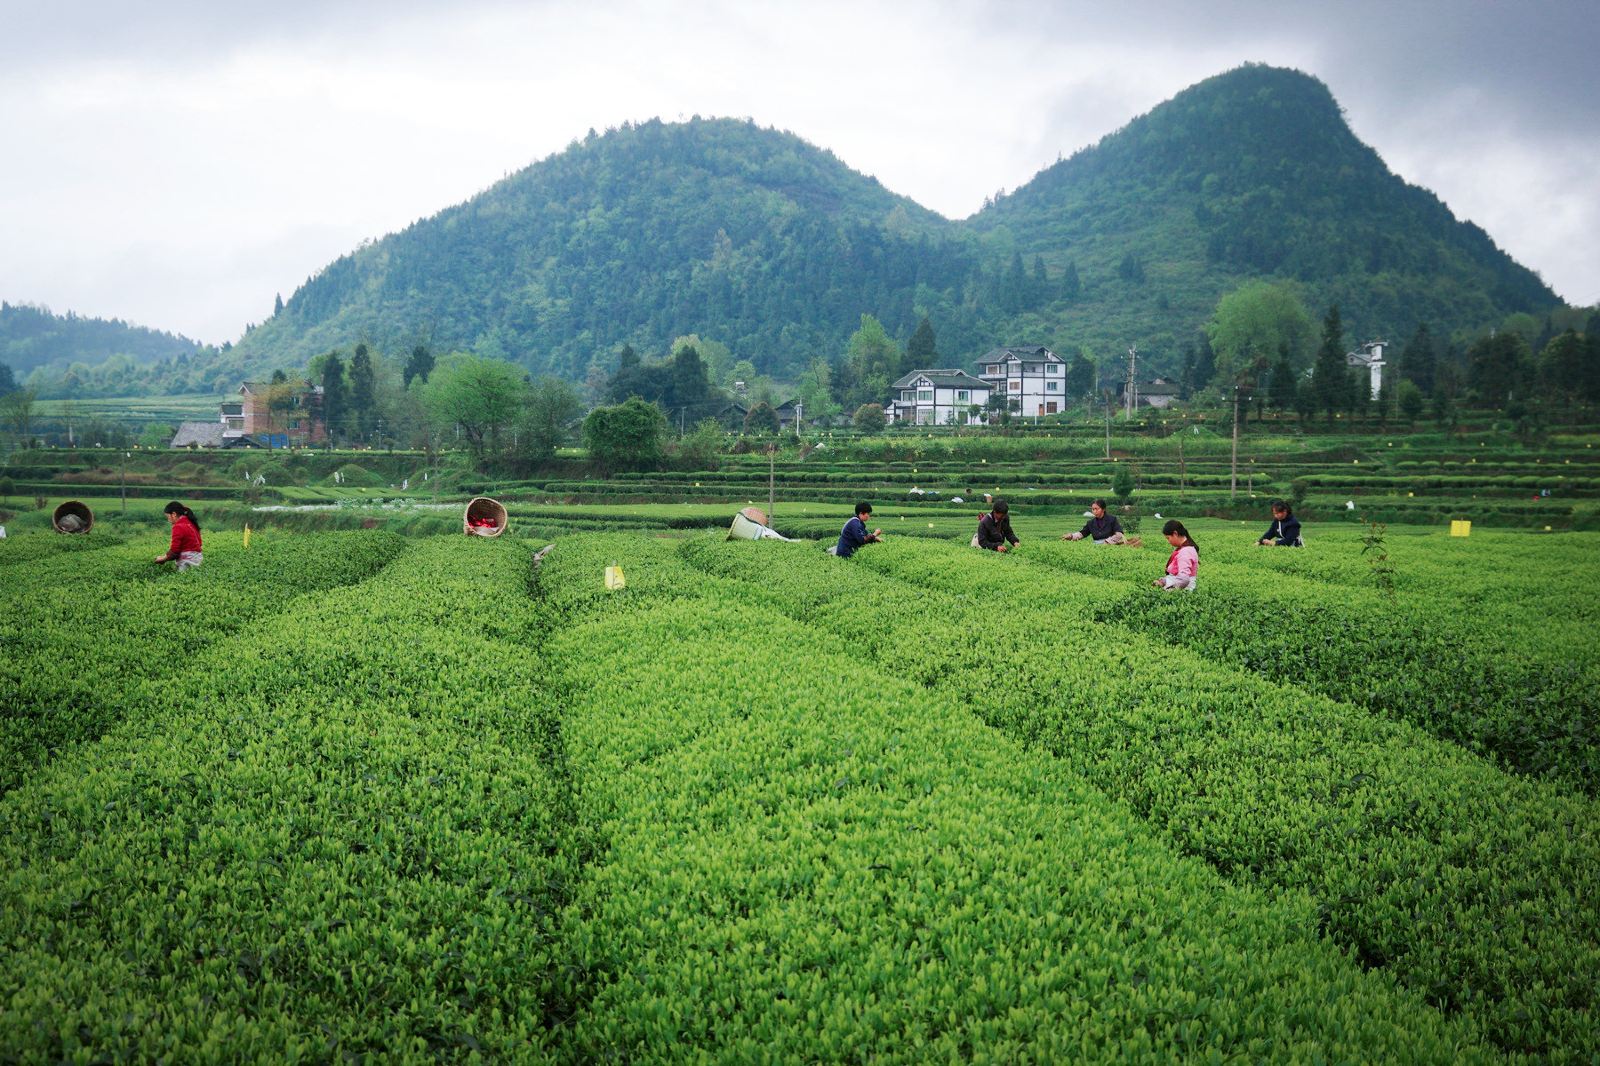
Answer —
(922, 350)
(1080, 376)
(1418, 360)
(363, 391)
(1409, 401)
(550, 410)
(690, 389)
(1563, 368)
(1071, 284)
(816, 390)
(419, 366)
(1253, 323)
(1496, 366)
(871, 359)
(335, 395)
(8, 380)
(627, 436)
(16, 407)
(483, 397)
(1284, 382)
(1330, 376)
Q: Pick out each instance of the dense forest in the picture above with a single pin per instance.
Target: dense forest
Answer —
(774, 249)
(87, 356)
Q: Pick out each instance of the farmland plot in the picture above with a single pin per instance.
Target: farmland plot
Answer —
(764, 805)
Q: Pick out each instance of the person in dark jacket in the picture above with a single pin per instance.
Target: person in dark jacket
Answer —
(994, 529)
(854, 534)
(185, 547)
(1285, 529)
(1102, 528)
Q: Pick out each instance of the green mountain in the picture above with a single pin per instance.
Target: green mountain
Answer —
(1249, 174)
(746, 235)
(92, 356)
(774, 247)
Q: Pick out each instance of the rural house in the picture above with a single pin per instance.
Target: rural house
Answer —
(938, 398)
(1370, 359)
(1033, 380)
(282, 414)
(1157, 392)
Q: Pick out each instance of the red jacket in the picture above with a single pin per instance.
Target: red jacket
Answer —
(185, 537)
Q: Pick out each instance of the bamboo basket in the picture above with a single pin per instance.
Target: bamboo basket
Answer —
(484, 517)
(82, 517)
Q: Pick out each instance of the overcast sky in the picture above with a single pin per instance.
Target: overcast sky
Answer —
(178, 164)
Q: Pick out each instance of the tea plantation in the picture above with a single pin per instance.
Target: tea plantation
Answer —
(349, 796)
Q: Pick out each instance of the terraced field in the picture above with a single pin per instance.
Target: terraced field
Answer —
(345, 795)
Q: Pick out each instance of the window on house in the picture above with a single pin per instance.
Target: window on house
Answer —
(924, 395)
(962, 396)
(1052, 368)
(1052, 386)
(1016, 386)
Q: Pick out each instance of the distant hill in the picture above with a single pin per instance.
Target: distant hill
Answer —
(1249, 174)
(757, 239)
(109, 350)
(718, 227)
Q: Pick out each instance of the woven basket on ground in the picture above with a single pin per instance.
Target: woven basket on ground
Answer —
(72, 517)
(484, 518)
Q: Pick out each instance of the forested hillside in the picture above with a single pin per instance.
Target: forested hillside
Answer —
(773, 247)
(715, 227)
(98, 353)
(1253, 173)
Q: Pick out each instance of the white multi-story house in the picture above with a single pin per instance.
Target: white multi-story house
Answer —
(1033, 380)
(1370, 359)
(938, 398)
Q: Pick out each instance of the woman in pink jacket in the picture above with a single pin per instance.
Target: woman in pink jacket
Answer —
(1184, 562)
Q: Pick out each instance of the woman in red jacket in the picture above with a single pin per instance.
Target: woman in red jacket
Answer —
(185, 548)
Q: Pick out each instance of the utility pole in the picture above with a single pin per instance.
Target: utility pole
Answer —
(1108, 424)
(772, 496)
(1132, 390)
(124, 480)
(1233, 470)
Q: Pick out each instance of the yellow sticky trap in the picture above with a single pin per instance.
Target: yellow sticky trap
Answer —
(1459, 528)
(614, 578)
(247, 536)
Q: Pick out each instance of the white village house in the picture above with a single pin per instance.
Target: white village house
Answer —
(938, 398)
(1370, 359)
(1033, 379)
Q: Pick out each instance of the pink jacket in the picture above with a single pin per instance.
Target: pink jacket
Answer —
(1182, 566)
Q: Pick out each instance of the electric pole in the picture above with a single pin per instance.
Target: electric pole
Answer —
(1233, 469)
(1133, 386)
(1108, 423)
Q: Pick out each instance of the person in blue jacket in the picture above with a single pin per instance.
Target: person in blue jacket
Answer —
(854, 534)
(1285, 529)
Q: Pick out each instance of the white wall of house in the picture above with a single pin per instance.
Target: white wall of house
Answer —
(1033, 386)
(927, 404)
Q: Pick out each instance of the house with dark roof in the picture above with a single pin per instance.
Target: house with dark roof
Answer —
(210, 435)
(1157, 392)
(938, 398)
(1033, 379)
